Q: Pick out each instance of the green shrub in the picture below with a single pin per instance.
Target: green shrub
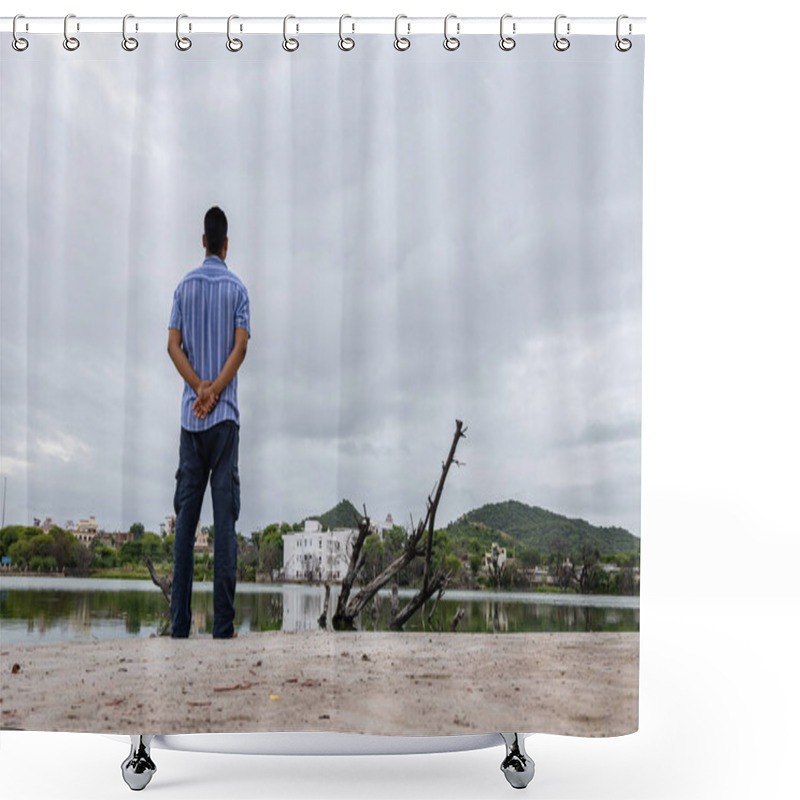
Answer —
(42, 564)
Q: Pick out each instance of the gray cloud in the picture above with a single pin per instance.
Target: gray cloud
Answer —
(422, 239)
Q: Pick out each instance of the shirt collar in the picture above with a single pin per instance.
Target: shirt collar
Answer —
(214, 260)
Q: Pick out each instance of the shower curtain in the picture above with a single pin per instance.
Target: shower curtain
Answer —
(435, 253)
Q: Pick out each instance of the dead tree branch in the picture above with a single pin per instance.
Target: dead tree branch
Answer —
(416, 602)
(323, 617)
(340, 617)
(347, 611)
(435, 605)
(165, 584)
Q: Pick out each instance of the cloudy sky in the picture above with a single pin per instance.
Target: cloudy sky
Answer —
(425, 236)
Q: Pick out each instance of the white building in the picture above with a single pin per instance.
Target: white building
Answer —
(381, 527)
(495, 559)
(314, 554)
(86, 530)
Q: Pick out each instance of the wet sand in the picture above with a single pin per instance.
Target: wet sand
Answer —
(393, 683)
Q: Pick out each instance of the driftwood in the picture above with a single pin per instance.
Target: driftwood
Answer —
(376, 609)
(348, 609)
(165, 584)
(395, 598)
(435, 605)
(323, 617)
(341, 617)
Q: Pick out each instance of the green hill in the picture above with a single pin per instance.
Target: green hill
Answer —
(534, 528)
(342, 515)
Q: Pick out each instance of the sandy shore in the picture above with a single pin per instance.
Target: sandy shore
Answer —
(363, 682)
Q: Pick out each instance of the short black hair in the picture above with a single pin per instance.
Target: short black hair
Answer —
(216, 229)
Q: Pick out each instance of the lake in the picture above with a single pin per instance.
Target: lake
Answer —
(38, 610)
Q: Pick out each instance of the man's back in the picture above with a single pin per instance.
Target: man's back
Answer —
(209, 304)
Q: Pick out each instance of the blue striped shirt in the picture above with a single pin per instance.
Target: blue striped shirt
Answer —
(209, 303)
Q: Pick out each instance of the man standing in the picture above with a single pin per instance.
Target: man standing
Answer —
(208, 332)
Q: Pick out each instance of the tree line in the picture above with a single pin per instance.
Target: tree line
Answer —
(57, 550)
(261, 558)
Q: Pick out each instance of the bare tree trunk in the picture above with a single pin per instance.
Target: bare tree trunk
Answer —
(376, 610)
(323, 617)
(395, 589)
(456, 619)
(417, 600)
(435, 605)
(433, 505)
(165, 584)
(341, 619)
(348, 611)
(440, 581)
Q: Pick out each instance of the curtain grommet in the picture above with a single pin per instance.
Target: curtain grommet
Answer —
(507, 42)
(451, 43)
(70, 43)
(128, 42)
(18, 43)
(289, 45)
(345, 42)
(233, 45)
(401, 43)
(561, 43)
(623, 45)
(183, 43)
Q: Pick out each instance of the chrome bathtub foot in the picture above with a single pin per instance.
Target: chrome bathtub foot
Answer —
(138, 768)
(517, 766)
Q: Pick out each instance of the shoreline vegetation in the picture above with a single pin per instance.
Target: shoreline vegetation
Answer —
(496, 547)
(141, 574)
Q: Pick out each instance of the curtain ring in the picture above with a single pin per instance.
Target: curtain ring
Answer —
(181, 42)
(234, 45)
(506, 42)
(290, 45)
(623, 45)
(345, 43)
(451, 42)
(70, 42)
(561, 43)
(401, 43)
(18, 43)
(128, 42)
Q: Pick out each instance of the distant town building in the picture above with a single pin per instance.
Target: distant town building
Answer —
(43, 524)
(117, 538)
(537, 576)
(86, 530)
(314, 554)
(169, 524)
(381, 527)
(201, 544)
(495, 558)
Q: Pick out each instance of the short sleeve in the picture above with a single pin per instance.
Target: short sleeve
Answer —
(176, 317)
(243, 311)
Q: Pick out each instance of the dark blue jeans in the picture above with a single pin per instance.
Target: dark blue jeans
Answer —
(213, 452)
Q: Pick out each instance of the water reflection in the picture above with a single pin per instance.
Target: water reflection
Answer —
(33, 610)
